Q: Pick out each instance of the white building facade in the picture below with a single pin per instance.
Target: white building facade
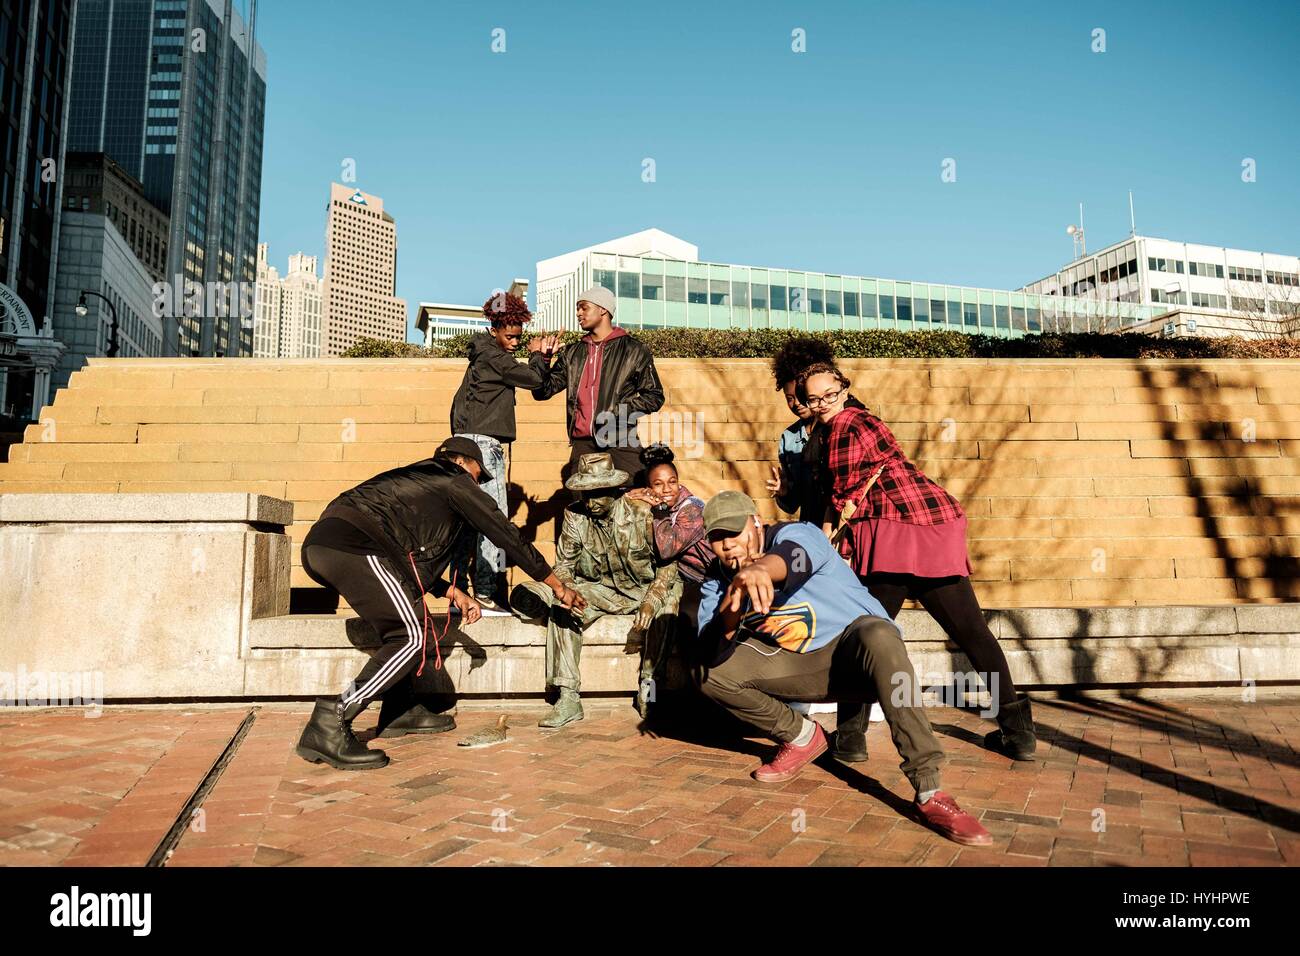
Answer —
(287, 311)
(437, 321)
(94, 257)
(1204, 290)
(659, 282)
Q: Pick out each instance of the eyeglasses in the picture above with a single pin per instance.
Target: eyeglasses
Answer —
(824, 401)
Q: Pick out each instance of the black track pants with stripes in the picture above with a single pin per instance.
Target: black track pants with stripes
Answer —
(383, 599)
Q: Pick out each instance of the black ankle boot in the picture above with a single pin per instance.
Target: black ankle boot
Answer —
(328, 737)
(850, 744)
(403, 713)
(1014, 737)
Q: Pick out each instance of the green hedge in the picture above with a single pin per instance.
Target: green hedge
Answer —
(887, 343)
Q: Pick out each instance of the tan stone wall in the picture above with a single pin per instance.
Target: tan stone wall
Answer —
(1087, 482)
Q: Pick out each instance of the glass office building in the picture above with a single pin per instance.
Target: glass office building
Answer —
(659, 292)
(35, 60)
(176, 95)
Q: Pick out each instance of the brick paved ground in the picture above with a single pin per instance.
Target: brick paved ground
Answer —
(1206, 781)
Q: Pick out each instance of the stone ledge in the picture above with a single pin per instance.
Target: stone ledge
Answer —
(1268, 618)
(1046, 647)
(1036, 623)
(124, 507)
(1010, 625)
(345, 631)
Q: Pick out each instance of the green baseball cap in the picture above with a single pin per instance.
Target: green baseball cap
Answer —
(728, 511)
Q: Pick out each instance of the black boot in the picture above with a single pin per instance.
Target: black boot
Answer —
(850, 744)
(328, 737)
(1014, 737)
(402, 712)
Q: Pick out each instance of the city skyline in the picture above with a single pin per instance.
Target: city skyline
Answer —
(831, 159)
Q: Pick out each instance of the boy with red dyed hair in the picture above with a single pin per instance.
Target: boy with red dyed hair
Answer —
(483, 410)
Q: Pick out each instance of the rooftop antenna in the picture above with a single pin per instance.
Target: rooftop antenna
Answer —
(1076, 233)
(1132, 223)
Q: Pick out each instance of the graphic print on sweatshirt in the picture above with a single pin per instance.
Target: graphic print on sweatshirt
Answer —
(791, 626)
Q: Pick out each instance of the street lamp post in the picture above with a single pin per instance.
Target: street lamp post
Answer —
(112, 311)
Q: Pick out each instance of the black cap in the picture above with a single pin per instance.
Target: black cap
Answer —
(466, 448)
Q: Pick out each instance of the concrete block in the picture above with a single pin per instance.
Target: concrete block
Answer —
(124, 508)
(1269, 619)
(160, 610)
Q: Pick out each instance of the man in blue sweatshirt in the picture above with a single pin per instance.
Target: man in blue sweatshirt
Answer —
(792, 622)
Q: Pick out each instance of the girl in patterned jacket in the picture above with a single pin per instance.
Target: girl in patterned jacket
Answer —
(905, 536)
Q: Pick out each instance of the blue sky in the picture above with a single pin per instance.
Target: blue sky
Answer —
(826, 160)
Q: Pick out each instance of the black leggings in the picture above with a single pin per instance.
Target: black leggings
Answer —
(952, 603)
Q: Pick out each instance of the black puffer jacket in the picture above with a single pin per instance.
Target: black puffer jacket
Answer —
(485, 402)
(627, 377)
(418, 510)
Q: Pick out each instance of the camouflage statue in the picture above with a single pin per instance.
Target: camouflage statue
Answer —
(606, 553)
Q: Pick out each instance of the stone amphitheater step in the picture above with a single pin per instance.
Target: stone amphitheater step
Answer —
(296, 655)
(1085, 481)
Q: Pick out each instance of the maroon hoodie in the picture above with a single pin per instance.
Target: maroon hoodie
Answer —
(589, 386)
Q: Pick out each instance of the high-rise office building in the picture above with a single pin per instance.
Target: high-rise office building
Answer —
(35, 58)
(288, 309)
(94, 256)
(175, 92)
(360, 272)
(266, 308)
(96, 183)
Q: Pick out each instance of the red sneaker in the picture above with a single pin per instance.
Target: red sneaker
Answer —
(789, 760)
(941, 814)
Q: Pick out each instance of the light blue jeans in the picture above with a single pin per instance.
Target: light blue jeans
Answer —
(473, 549)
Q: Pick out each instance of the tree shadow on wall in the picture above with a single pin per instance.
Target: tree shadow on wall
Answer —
(1230, 480)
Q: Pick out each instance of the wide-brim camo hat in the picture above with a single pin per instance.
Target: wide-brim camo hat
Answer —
(596, 470)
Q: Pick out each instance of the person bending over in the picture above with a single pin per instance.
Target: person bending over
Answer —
(381, 545)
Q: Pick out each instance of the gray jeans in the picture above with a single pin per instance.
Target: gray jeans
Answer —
(476, 559)
(867, 661)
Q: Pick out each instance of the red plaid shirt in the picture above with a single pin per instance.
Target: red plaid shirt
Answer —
(857, 445)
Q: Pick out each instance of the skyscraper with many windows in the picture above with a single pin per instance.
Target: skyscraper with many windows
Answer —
(288, 321)
(35, 39)
(360, 272)
(175, 92)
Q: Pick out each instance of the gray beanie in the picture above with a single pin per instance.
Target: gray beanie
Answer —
(599, 295)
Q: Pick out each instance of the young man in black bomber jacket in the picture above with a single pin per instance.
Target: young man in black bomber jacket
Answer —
(382, 545)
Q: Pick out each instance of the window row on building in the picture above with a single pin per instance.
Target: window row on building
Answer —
(1156, 264)
(1086, 284)
(657, 298)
